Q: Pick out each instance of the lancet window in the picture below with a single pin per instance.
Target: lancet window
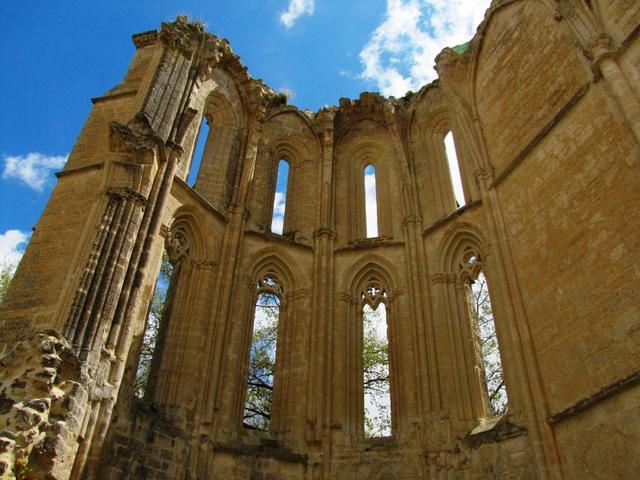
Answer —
(177, 249)
(262, 354)
(198, 150)
(375, 361)
(483, 327)
(454, 169)
(370, 201)
(280, 197)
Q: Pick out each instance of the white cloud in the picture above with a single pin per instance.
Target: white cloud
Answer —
(12, 247)
(400, 53)
(277, 222)
(295, 10)
(34, 169)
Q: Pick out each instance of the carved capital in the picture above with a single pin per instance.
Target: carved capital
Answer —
(324, 232)
(484, 176)
(127, 193)
(141, 147)
(599, 49)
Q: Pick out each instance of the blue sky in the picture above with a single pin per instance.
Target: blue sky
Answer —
(57, 55)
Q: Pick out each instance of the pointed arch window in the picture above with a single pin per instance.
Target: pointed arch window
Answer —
(198, 150)
(483, 327)
(376, 384)
(454, 169)
(280, 197)
(262, 355)
(370, 201)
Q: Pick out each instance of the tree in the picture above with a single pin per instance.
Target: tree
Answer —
(152, 328)
(375, 366)
(7, 269)
(262, 359)
(488, 343)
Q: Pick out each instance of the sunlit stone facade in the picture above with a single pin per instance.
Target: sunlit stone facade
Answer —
(544, 106)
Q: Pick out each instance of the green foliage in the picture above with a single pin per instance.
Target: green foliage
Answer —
(488, 343)
(262, 359)
(152, 328)
(7, 269)
(375, 365)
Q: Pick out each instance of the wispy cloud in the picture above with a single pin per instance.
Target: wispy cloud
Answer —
(295, 10)
(400, 53)
(12, 243)
(277, 222)
(34, 169)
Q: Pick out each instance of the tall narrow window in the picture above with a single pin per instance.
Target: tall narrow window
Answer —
(370, 201)
(198, 151)
(375, 363)
(486, 338)
(454, 169)
(157, 311)
(262, 356)
(280, 198)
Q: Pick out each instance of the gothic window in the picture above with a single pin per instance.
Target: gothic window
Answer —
(454, 169)
(280, 198)
(370, 201)
(375, 361)
(262, 355)
(198, 150)
(484, 331)
(156, 317)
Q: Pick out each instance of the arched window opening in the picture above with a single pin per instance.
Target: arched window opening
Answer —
(160, 305)
(198, 151)
(371, 201)
(454, 169)
(280, 197)
(486, 340)
(262, 356)
(375, 363)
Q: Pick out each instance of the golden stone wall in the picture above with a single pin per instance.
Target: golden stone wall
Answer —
(544, 106)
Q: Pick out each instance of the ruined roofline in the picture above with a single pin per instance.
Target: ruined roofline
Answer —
(198, 34)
